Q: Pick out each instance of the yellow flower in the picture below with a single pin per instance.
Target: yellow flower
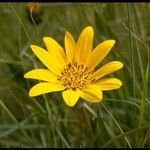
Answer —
(34, 12)
(73, 71)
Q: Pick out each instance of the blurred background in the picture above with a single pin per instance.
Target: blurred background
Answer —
(122, 118)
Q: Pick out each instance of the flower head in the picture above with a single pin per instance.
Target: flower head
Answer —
(34, 12)
(72, 70)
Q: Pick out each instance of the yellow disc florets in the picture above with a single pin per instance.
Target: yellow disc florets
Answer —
(75, 76)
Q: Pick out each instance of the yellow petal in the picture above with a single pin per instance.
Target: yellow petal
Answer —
(47, 59)
(71, 97)
(99, 53)
(70, 47)
(109, 84)
(44, 87)
(55, 50)
(84, 44)
(41, 74)
(92, 93)
(107, 69)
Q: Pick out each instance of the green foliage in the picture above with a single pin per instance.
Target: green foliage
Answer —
(121, 120)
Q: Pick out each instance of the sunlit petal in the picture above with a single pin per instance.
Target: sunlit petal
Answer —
(47, 59)
(44, 87)
(70, 47)
(109, 84)
(84, 44)
(99, 53)
(42, 74)
(107, 69)
(55, 50)
(92, 93)
(71, 97)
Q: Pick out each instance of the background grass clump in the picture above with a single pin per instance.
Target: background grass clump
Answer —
(123, 117)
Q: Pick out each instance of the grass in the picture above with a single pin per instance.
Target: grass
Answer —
(122, 118)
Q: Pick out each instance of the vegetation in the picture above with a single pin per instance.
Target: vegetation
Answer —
(122, 119)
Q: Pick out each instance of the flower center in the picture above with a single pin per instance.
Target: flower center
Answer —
(75, 76)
